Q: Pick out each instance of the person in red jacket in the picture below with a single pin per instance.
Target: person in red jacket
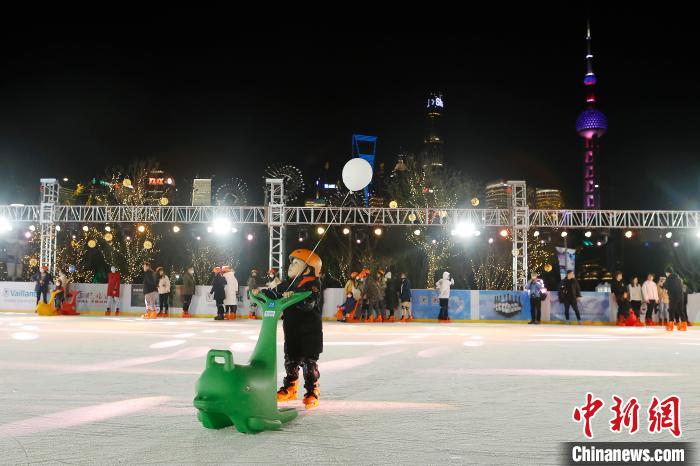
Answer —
(113, 282)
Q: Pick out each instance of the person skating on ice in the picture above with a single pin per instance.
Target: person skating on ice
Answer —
(443, 286)
(150, 291)
(231, 300)
(534, 289)
(163, 292)
(569, 294)
(650, 295)
(113, 284)
(252, 287)
(218, 290)
(405, 298)
(188, 290)
(303, 328)
(674, 286)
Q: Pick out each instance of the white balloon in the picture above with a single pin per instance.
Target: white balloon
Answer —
(357, 174)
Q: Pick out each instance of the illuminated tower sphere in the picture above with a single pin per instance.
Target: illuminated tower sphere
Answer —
(433, 142)
(591, 125)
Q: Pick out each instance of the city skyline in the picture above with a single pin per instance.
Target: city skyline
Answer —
(69, 111)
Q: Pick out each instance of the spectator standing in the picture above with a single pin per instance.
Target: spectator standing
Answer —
(534, 289)
(635, 292)
(150, 291)
(663, 301)
(674, 286)
(443, 286)
(252, 287)
(163, 292)
(231, 301)
(188, 290)
(570, 293)
(405, 298)
(650, 295)
(218, 290)
(113, 288)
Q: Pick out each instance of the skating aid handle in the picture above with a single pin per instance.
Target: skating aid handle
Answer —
(216, 353)
(266, 302)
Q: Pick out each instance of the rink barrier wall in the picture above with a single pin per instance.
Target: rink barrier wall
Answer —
(464, 306)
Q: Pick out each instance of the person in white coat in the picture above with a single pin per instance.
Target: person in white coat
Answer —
(443, 286)
(163, 292)
(650, 295)
(231, 301)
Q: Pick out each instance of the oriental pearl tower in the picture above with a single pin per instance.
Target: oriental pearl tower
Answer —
(591, 125)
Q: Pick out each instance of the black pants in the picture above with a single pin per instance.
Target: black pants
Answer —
(574, 306)
(443, 309)
(186, 301)
(231, 308)
(636, 306)
(163, 301)
(44, 294)
(308, 365)
(625, 313)
(220, 307)
(535, 308)
(651, 305)
(675, 312)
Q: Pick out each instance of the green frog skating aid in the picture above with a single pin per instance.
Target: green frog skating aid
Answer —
(245, 396)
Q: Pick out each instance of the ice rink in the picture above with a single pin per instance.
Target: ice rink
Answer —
(100, 390)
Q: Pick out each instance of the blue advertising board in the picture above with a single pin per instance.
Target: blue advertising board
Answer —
(593, 306)
(425, 304)
(504, 305)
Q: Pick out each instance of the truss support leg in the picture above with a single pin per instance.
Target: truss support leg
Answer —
(275, 223)
(520, 222)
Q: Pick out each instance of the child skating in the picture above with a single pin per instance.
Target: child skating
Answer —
(302, 325)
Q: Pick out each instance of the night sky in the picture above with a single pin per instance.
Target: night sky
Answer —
(208, 101)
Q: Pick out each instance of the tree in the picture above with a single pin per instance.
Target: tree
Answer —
(424, 186)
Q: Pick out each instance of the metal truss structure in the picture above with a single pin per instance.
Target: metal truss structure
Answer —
(518, 217)
(275, 223)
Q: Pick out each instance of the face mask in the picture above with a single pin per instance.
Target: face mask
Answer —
(113, 269)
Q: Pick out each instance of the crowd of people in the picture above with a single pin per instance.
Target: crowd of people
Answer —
(663, 302)
(378, 297)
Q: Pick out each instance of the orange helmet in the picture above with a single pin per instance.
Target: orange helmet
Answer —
(216, 269)
(353, 275)
(381, 271)
(272, 271)
(311, 258)
(45, 267)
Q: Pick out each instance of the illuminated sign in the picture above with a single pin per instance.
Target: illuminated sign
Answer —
(160, 181)
(435, 102)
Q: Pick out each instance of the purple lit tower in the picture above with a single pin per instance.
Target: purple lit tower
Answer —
(591, 125)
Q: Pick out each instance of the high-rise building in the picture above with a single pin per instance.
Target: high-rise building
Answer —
(548, 199)
(591, 125)
(498, 195)
(433, 142)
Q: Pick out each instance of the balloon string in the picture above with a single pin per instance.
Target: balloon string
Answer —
(323, 235)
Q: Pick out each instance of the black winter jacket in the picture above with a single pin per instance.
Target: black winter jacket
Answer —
(150, 282)
(218, 288)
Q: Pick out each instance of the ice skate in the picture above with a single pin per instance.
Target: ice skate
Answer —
(683, 326)
(311, 398)
(219, 317)
(288, 392)
(186, 315)
(391, 319)
(669, 326)
(379, 319)
(108, 312)
(117, 313)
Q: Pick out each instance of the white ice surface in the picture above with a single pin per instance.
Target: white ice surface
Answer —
(90, 390)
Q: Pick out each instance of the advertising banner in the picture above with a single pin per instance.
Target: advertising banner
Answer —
(504, 305)
(17, 296)
(567, 260)
(425, 304)
(593, 306)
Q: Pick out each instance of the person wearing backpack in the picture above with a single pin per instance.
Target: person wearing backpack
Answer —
(569, 294)
(535, 289)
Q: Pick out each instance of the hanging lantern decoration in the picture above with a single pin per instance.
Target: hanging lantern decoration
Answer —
(412, 217)
(164, 201)
(92, 243)
(33, 262)
(547, 267)
(475, 201)
(393, 204)
(108, 237)
(147, 244)
(126, 183)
